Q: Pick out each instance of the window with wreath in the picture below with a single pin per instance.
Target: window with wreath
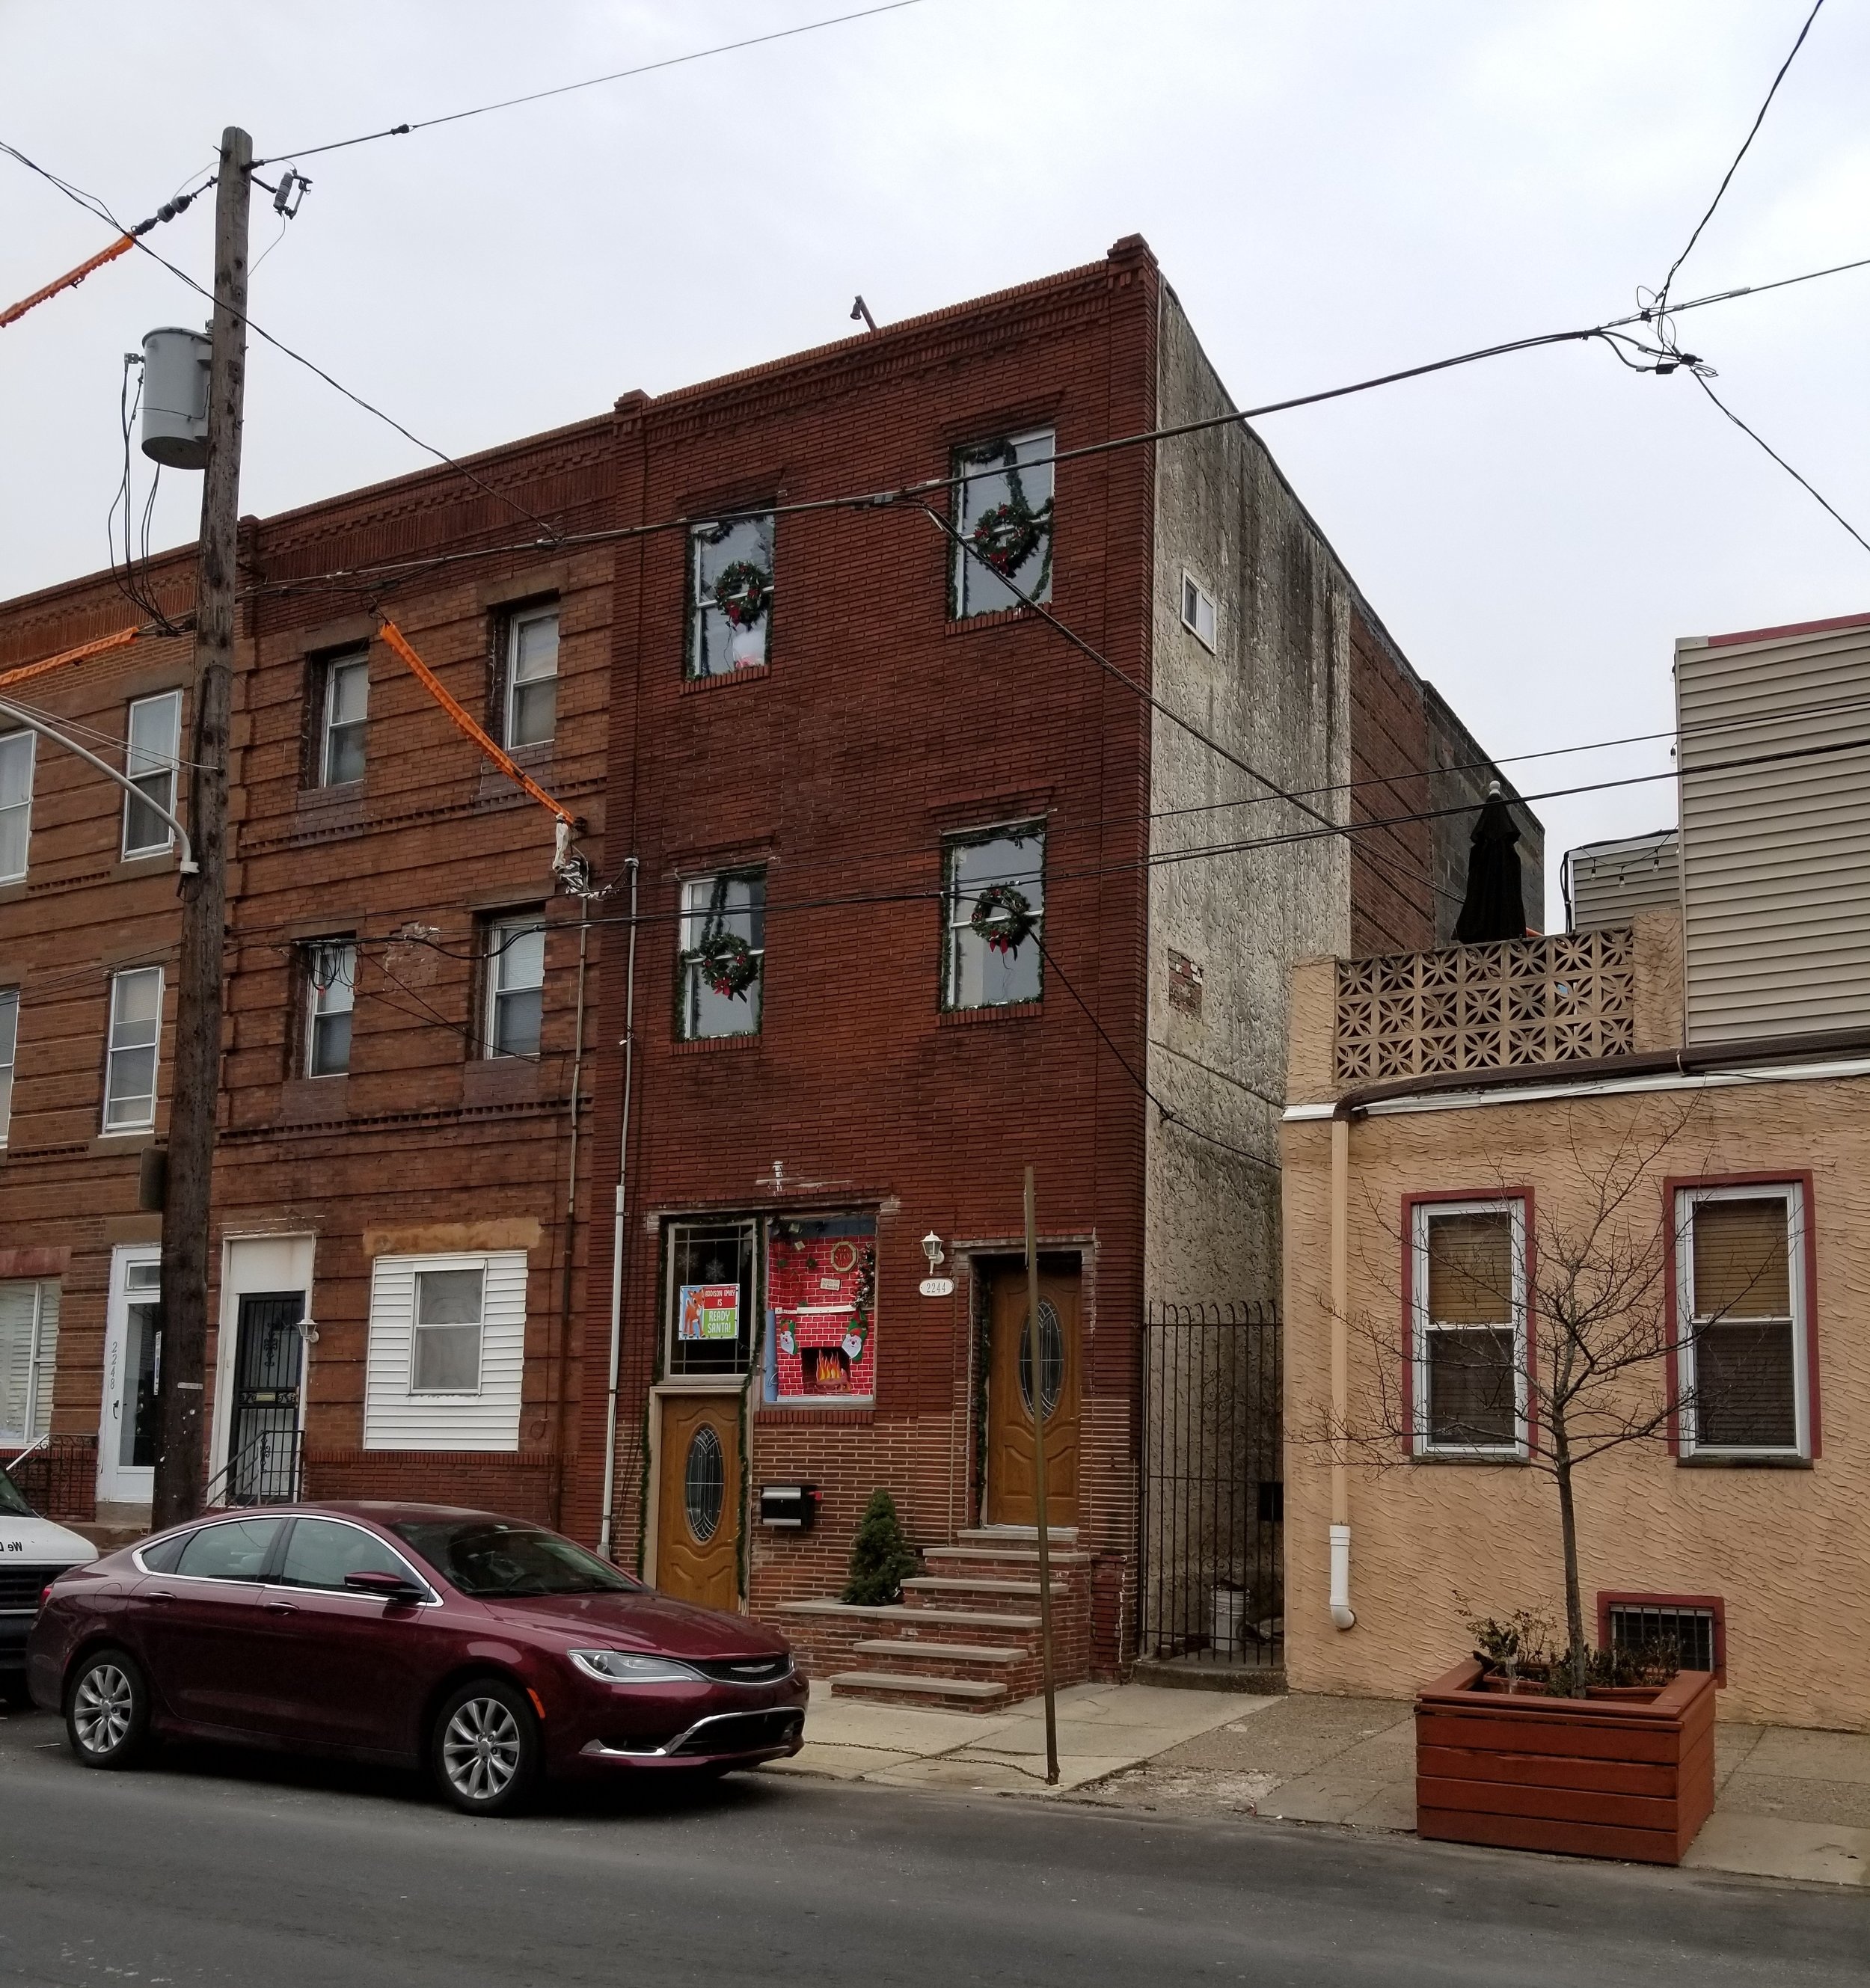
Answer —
(1743, 1357)
(994, 908)
(1469, 1378)
(723, 954)
(730, 595)
(1003, 512)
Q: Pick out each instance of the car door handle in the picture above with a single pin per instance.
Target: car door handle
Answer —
(281, 1608)
(161, 1594)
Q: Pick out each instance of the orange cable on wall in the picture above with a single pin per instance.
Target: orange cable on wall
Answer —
(465, 724)
(121, 246)
(119, 640)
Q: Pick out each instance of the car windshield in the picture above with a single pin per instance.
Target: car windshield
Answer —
(486, 1557)
(11, 1502)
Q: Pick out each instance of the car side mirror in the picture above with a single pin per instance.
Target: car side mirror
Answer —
(380, 1581)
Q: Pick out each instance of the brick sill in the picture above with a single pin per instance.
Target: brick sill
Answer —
(703, 1045)
(1006, 1011)
(749, 673)
(781, 1414)
(999, 617)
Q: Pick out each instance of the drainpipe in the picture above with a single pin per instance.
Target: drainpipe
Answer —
(1342, 1615)
(569, 1250)
(617, 1227)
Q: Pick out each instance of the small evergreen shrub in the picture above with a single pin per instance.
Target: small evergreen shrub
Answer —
(880, 1556)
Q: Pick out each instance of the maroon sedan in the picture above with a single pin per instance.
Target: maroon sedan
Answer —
(491, 1650)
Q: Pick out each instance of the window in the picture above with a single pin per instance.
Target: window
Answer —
(821, 1309)
(1003, 503)
(445, 1345)
(516, 985)
(723, 954)
(321, 1552)
(711, 1318)
(730, 595)
(9, 1044)
(16, 803)
(1688, 1630)
(1469, 1368)
(29, 1346)
(236, 1549)
(130, 1058)
(1741, 1357)
(150, 761)
(995, 908)
(330, 994)
(532, 675)
(344, 719)
(1198, 610)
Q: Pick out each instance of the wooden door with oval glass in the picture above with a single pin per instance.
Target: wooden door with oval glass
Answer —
(1011, 1487)
(698, 1502)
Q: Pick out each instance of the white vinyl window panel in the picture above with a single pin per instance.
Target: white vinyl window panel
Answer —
(418, 1391)
(151, 754)
(516, 985)
(28, 1351)
(346, 720)
(16, 762)
(132, 1050)
(531, 677)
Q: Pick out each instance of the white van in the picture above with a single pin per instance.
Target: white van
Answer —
(33, 1553)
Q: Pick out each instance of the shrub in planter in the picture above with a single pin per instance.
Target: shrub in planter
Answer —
(881, 1558)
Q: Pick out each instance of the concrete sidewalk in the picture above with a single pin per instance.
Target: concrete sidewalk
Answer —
(1788, 1803)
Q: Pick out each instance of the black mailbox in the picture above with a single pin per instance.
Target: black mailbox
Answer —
(789, 1507)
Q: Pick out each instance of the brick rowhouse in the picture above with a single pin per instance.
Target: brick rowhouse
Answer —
(777, 1183)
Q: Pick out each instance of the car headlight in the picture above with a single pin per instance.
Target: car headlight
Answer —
(623, 1667)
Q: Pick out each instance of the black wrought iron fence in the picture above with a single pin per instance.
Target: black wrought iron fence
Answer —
(57, 1476)
(1212, 1585)
(265, 1470)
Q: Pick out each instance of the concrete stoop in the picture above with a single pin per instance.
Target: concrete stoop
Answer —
(966, 1636)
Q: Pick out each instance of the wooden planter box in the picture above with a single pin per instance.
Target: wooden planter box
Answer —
(1630, 1775)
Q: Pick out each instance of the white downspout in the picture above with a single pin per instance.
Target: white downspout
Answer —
(618, 1221)
(1343, 1616)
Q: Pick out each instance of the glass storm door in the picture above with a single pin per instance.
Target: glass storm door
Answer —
(133, 1371)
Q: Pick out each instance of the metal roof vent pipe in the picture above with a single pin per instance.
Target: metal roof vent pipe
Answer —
(175, 398)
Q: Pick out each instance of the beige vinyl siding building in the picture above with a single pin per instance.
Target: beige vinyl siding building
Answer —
(1775, 856)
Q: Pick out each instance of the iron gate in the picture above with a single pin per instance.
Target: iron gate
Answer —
(263, 1465)
(1211, 1589)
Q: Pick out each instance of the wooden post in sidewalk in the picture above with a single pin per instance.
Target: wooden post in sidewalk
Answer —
(1034, 1349)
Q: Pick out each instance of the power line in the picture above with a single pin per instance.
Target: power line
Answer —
(1662, 299)
(1754, 435)
(589, 82)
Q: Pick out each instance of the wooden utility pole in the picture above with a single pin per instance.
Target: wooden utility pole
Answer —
(1035, 1348)
(195, 1087)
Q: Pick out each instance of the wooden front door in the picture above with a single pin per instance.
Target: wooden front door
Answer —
(1012, 1475)
(698, 1503)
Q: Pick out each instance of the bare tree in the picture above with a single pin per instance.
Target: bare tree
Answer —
(1551, 1342)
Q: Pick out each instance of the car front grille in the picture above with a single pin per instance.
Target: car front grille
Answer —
(21, 1587)
(742, 1732)
(743, 1670)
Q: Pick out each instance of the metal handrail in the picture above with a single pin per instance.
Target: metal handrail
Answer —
(224, 1476)
(38, 1442)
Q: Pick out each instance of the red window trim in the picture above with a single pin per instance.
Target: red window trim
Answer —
(1616, 1597)
(1672, 1188)
(1410, 1203)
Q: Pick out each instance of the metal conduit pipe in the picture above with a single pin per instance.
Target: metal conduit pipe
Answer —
(1343, 1617)
(618, 1227)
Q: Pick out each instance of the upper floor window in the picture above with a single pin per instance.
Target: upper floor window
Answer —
(1198, 610)
(994, 909)
(1469, 1383)
(330, 994)
(516, 985)
(16, 803)
(730, 595)
(723, 953)
(1003, 511)
(344, 717)
(9, 1041)
(149, 762)
(531, 672)
(130, 1055)
(1743, 1363)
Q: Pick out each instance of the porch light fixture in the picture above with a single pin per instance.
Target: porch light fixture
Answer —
(931, 1249)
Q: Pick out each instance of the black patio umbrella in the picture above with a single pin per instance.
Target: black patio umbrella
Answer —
(1494, 907)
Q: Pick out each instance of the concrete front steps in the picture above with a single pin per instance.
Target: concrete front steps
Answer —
(966, 1636)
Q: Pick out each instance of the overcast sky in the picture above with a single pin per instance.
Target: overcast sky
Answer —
(1335, 188)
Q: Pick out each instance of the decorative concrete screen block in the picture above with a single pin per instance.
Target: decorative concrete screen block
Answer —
(1486, 1007)
(446, 1352)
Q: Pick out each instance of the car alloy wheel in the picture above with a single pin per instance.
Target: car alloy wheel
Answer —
(486, 1747)
(107, 1711)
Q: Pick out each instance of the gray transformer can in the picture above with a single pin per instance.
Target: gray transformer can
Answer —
(175, 398)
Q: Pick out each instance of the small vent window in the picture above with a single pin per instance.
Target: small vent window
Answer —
(1688, 1636)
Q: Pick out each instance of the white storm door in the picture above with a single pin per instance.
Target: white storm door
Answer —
(133, 1366)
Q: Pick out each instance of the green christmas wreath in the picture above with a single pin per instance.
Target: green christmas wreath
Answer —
(727, 964)
(1009, 534)
(743, 592)
(1003, 916)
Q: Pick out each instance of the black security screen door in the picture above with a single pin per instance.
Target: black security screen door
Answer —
(263, 1444)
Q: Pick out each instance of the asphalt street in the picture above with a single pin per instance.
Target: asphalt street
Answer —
(214, 1866)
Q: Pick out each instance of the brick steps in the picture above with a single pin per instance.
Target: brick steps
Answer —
(888, 1687)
